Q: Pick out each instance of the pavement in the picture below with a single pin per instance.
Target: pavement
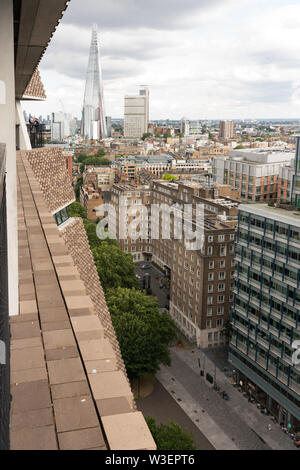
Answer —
(234, 424)
(161, 406)
(157, 278)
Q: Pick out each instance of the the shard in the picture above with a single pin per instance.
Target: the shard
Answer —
(93, 113)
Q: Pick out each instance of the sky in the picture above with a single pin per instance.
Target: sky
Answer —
(202, 59)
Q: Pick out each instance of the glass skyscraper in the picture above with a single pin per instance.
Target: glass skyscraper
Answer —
(93, 114)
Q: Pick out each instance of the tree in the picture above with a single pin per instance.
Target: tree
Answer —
(76, 210)
(146, 135)
(82, 157)
(170, 436)
(114, 266)
(95, 161)
(227, 330)
(101, 152)
(168, 177)
(239, 147)
(77, 187)
(94, 240)
(144, 333)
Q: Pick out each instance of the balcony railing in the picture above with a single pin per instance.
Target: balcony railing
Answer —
(4, 322)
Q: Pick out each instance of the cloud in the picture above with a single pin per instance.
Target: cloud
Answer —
(200, 59)
(154, 14)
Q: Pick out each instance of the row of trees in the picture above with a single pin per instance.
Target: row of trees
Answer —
(96, 160)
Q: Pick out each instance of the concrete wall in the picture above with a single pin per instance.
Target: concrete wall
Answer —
(7, 135)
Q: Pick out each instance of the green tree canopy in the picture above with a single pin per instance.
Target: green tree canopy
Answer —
(168, 177)
(114, 266)
(94, 241)
(146, 135)
(81, 157)
(76, 210)
(170, 436)
(101, 152)
(239, 147)
(144, 333)
(95, 161)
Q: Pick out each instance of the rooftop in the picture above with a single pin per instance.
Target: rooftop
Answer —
(291, 217)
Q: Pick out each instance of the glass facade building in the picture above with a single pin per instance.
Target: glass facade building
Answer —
(266, 314)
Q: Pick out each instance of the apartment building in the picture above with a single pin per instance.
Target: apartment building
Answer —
(102, 177)
(226, 130)
(201, 280)
(91, 199)
(132, 225)
(254, 173)
(265, 317)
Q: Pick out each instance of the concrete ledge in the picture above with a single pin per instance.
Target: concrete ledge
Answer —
(128, 431)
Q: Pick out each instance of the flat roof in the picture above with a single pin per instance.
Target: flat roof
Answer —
(291, 217)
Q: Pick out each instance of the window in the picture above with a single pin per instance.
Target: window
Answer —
(223, 251)
(210, 239)
(209, 300)
(211, 265)
(220, 299)
(210, 276)
(209, 312)
(221, 287)
(221, 238)
(61, 216)
(210, 288)
(222, 264)
(210, 250)
(232, 236)
(222, 275)
(220, 311)
(208, 323)
(219, 322)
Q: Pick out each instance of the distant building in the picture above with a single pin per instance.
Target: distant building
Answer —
(226, 129)
(108, 126)
(91, 199)
(102, 177)
(93, 126)
(253, 173)
(60, 126)
(136, 114)
(190, 128)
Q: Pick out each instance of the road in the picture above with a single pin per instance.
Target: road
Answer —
(233, 424)
(161, 406)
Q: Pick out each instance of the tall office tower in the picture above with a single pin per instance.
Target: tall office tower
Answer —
(60, 126)
(136, 114)
(226, 129)
(265, 318)
(93, 115)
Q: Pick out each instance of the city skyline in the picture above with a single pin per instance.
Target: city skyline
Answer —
(196, 62)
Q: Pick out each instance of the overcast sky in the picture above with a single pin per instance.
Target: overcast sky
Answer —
(203, 59)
